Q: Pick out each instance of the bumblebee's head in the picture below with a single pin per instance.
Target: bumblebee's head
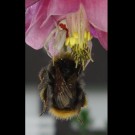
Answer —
(67, 65)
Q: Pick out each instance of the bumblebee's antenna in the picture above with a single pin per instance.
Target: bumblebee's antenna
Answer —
(81, 121)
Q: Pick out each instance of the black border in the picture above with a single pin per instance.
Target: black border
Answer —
(13, 66)
(118, 68)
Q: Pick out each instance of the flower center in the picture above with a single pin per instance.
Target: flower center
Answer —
(72, 35)
(78, 36)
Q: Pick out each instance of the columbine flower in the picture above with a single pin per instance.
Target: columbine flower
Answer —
(66, 26)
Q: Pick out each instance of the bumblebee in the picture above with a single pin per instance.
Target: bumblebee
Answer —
(60, 88)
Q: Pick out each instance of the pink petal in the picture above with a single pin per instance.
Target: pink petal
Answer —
(36, 35)
(101, 36)
(40, 11)
(35, 16)
(54, 45)
(60, 8)
(30, 2)
(42, 15)
(29, 15)
(96, 11)
(93, 31)
(52, 51)
(40, 19)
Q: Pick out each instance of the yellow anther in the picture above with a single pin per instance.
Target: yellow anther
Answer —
(75, 35)
(72, 41)
(89, 36)
(81, 45)
(85, 35)
(67, 41)
(76, 41)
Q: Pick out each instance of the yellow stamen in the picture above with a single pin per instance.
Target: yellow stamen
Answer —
(85, 35)
(72, 41)
(75, 35)
(89, 36)
(80, 50)
(79, 37)
(67, 41)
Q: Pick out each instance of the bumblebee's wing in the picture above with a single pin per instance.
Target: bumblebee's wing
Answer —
(72, 79)
(71, 83)
(62, 91)
(43, 88)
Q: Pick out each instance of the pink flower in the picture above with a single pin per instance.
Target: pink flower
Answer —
(53, 23)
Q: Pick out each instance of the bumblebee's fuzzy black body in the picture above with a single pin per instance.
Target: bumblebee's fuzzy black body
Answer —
(60, 88)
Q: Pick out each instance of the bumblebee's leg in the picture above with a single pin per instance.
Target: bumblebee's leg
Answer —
(81, 97)
(42, 73)
(80, 120)
(44, 99)
(44, 108)
(43, 88)
(46, 79)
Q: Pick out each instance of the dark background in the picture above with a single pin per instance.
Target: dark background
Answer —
(95, 73)
(95, 76)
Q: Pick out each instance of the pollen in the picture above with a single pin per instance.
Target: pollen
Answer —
(72, 41)
(75, 35)
(85, 35)
(78, 36)
(89, 36)
(67, 41)
(79, 46)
